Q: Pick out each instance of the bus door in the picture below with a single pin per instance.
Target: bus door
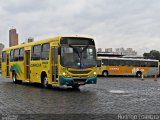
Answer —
(7, 65)
(55, 64)
(27, 64)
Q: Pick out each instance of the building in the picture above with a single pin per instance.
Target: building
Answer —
(108, 50)
(126, 52)
(13, 37)
(99, 49)
(30, 39)
(1, 47)
(118, 51)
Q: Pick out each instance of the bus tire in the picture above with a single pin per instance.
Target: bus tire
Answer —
(139, 74)
(45, 82)
(14, 78)
(105, 73)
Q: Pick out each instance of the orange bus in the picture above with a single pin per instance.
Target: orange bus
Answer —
(127, 66)
(0, 63)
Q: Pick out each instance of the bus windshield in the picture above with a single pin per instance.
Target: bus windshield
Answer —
(78, 56)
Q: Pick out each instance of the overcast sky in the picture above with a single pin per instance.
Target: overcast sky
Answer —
(112, 23)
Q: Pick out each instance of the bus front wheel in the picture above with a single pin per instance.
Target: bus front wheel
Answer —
(105, 73)
(45, 82)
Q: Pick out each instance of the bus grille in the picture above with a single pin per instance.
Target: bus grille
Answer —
(82, 76)
(80, 72)
(79, 80)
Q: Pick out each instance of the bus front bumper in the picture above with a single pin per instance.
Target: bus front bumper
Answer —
(80, 81)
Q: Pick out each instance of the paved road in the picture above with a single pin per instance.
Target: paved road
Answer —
(113, 95)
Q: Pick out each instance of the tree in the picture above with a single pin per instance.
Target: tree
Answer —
(154, 54)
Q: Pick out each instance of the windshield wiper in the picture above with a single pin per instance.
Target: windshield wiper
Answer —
(74, 49)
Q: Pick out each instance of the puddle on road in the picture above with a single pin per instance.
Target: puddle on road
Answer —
(119, 92)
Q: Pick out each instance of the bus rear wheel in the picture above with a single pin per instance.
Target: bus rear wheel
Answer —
(14, 78)
(139, 74)
(105, 73)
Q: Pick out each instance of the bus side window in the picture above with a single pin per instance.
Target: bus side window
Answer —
(21, 54)
(36, 52)
(142, 63)
(153, 64)
(137, 63)
(98, 63)
(45, 51)
(16, 54)
(110, 62)
(117, 63)
(11, 56)
(128, 63)
(122, 63)
(105, 62)
(113, 63)
(3, 56)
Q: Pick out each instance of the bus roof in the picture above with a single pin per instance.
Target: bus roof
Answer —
(42, 41)
(114, 58)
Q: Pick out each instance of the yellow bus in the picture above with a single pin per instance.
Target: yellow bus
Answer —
(58, 61)
(127, 66)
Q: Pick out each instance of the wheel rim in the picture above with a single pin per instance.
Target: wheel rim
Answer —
(105, 74)
(14, 78)
(45, 82)
(139, 74)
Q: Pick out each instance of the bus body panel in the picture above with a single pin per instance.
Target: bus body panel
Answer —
(18, 67)
(35, 71)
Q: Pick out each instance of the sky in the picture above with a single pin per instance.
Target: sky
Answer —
(112, 23)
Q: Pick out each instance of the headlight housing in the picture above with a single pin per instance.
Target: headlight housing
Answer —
(64, 74)
(94, 73)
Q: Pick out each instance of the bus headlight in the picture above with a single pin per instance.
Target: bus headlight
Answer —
(94, 73)
(64, 74)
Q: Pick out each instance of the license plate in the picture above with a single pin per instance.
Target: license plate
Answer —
(80, 83)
